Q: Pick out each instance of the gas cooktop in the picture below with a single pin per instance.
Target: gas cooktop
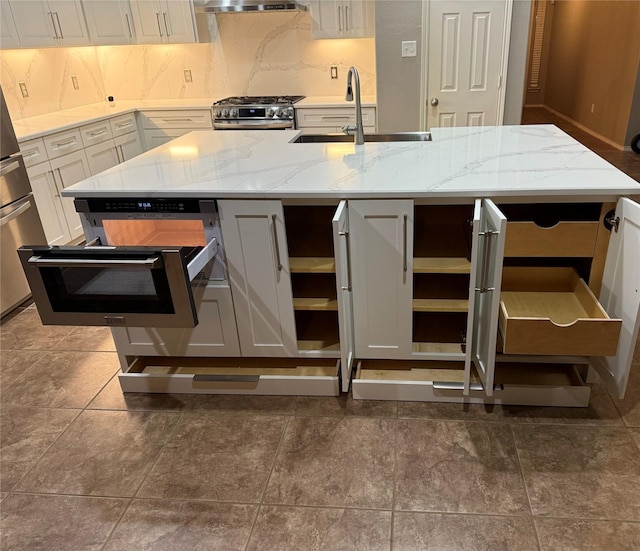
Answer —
(254, 112)
(258, 100)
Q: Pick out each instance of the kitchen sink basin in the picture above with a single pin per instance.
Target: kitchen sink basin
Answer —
(344, 138)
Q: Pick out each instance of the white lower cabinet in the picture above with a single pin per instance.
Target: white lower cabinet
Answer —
(160, 127)
(128, 145)
(323, 120)
(102, 156)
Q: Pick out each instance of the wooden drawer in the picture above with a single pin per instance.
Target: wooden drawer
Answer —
(191, 120)
(551, 311)
(95, 133)
(123, 124)
(333, 118)
(567, 239)
(61, 143)
(33, 152)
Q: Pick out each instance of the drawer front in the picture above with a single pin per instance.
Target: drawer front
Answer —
(191, 120)
(332, 129)
(33, 152)
(96, 133)
(336, 117)
(62, 143)
(123, 124)
(566, 239)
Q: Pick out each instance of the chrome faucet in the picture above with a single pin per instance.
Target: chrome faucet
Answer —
(356, 130)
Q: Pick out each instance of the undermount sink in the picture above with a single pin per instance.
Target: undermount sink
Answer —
(344, 138)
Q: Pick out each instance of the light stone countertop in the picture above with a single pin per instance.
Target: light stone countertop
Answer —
(507, 161)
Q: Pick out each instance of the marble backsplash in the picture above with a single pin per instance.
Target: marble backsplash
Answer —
(249, 54)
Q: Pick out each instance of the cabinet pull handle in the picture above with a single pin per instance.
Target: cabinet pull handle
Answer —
(30, 153)
(53, 24)
(335, 117)
(177, 119)
(59, 26)
(146, 264)
(121, 154)
(123, 124)
(339, 18)
(164, 16)
(97, 133)
(346, 18)
(72, 141)
(486, 259)
(345, 234)
(274, 220)
(55, 182)
(126, 16)
(404, 247)
(158, 20)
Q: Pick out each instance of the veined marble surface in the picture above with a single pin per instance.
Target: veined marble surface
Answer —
(505, 161)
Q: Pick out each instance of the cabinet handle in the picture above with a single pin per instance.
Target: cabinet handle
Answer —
(164, 16)
(97, 133)
(55, 182)
(404, 239)
(123, 124)
(158, 20)
(53, 24)
(348, 251)
(177, 119)
(30, 153)
(274, 220)
(335, 117)
(72, 141)
(346, 18)
(59, 26)
(126, 16)
(121, 154)
(486, 259)
(339, 18)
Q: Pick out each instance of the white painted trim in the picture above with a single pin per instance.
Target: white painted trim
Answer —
(506, 41)
(424, 65)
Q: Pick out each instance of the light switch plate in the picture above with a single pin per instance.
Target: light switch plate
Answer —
(409, 48)
(334, 72)
(187, 75)
(74, 81)
(23, 89)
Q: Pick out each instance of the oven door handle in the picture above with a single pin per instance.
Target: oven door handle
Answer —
(147, 264)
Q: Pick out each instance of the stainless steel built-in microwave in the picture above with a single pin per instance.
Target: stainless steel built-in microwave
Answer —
(136, 271)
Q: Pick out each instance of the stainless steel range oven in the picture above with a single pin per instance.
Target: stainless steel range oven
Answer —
(255, 112)
(137, 269)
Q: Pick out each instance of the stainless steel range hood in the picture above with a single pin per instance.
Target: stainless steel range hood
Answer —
(235, 6)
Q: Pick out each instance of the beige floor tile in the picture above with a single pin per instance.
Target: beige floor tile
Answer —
(297, 528)
(582, 472)
(153, 525)
(88, 339)
(62, 379)
(26, 332)
(25, 434)
(451, 411)
(235, 404)
(216, 457)
(63, 523)
(629, 406)
(14, 363)
(438, 532)
(343, 406)
(451, 466)
(339, 462)
(103, 453)
(586, 535)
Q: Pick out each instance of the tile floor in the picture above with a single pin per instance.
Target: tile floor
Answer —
(85, 467)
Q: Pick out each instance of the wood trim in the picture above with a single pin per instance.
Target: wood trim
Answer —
(438, 265)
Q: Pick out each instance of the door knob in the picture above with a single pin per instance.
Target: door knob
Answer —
(434, 101)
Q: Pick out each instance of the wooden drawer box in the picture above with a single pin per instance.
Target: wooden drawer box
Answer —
(568, 239)
(551, 311)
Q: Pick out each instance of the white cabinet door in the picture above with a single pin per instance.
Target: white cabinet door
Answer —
(146, 16)
(326, 18)
(489, 231)
(341, 237)
(381, 238)
(358, 18)
(177, 16)
(69, 21)
(258, 263)
(102, 156)
(109, 22)
(155, 138)
(166, 21)
(49, 205)
(620, 295)
(341, 18)
(68, 170)
(8, 32)
(129, 145)
(34, 22)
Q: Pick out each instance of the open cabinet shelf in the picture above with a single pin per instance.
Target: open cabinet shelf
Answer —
(312, 265)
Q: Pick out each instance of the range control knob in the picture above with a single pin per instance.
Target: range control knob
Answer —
(217, 113)
(225, 113)
(234, 112)
(271, 112)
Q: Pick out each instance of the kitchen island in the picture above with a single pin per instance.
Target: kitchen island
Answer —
(412, 270)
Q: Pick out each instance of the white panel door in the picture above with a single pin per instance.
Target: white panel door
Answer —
(341, 238)
(129, 145)
(68, 170)
(69, 21)
(467, 42)
(256, 249)
(326, 18)
(381, 238)
(49, 205)
(177, 18)
(8, 32)
(146, 16)
(488, 253)
(34, 21)
(109, 22)
(101, 156)
(620, 295)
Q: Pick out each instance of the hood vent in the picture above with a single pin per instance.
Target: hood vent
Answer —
(236, 6)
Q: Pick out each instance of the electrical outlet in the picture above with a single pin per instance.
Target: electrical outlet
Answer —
(187, 75)
(23, 89)
(409, 48)
(74, 81)
(334, 72)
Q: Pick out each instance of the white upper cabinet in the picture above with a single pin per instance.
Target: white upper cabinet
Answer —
(342, 18)
(166, 21)
(8, 32)
(109, 22)
(53, 23)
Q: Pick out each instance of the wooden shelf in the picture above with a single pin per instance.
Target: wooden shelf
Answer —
(312, 265)
(315, 304)
(439, 305)
(441, 265)
(309, 345)
(438, 348)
